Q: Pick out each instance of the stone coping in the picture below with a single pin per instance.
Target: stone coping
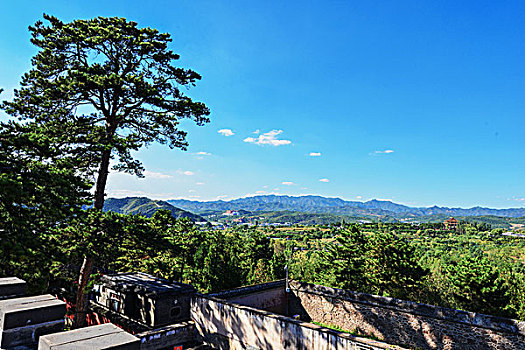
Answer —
(11, 287)
(144, 284)
(104, 336)
(314, 327)
(169, 336)
(11, 280)
(167, 329)
(256, 288)
(473, 319)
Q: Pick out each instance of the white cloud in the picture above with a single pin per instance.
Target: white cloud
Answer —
(226, 132)
(324, 180)
(194, 196)
(154, 175)
(222, 197)
(315, 154)
(199, 183)
(257, 131)
(268, 138)
(287, 183)
(260, 192)
(192, 191)
(276, 189)
(386, 151)
(185, 172)
(359, 197)
(203, 153)
(304, 188)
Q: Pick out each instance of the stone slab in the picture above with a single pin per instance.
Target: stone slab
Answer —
(106, 336)
(27, 311)
(168, 337)
(12, 287)
(27, 336)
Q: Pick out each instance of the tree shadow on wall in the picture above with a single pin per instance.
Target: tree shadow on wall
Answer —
(414, 328)
(236, 326)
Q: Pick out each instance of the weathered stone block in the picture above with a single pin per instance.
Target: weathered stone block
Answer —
(20, 312)
(28, 335)
(23, 320)
(106, 336)
(11, 287)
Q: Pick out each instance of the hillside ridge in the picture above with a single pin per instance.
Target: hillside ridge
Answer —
(319, 204)
(146, 207)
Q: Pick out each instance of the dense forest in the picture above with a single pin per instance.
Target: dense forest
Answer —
(474, 268)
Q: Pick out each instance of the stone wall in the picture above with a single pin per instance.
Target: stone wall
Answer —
(269, 296)
(231, 326)
(405, 323)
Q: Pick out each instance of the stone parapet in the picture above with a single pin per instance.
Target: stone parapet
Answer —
(241, 291)
(231, 326)
(406, 323)
(269, 296)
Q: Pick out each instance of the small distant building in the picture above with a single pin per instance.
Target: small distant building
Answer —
(230, 213)
(451, 224)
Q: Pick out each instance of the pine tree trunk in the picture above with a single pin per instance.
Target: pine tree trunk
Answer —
(87, 265)
(102, 179)
(81, 301)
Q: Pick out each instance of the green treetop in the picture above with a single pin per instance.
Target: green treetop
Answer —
(105, 87)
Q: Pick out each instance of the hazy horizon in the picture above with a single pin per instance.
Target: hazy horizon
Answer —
(314, 195)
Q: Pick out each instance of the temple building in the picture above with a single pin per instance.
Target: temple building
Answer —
(451, 224)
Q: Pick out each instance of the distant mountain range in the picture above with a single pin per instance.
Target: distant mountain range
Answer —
(146, 207)
(318, 204)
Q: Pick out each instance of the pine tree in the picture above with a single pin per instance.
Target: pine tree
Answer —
(125, 77)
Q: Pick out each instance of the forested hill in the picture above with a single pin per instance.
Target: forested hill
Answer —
(318, 204)
(146, 207)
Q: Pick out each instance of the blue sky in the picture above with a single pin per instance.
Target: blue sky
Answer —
(420, 102)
